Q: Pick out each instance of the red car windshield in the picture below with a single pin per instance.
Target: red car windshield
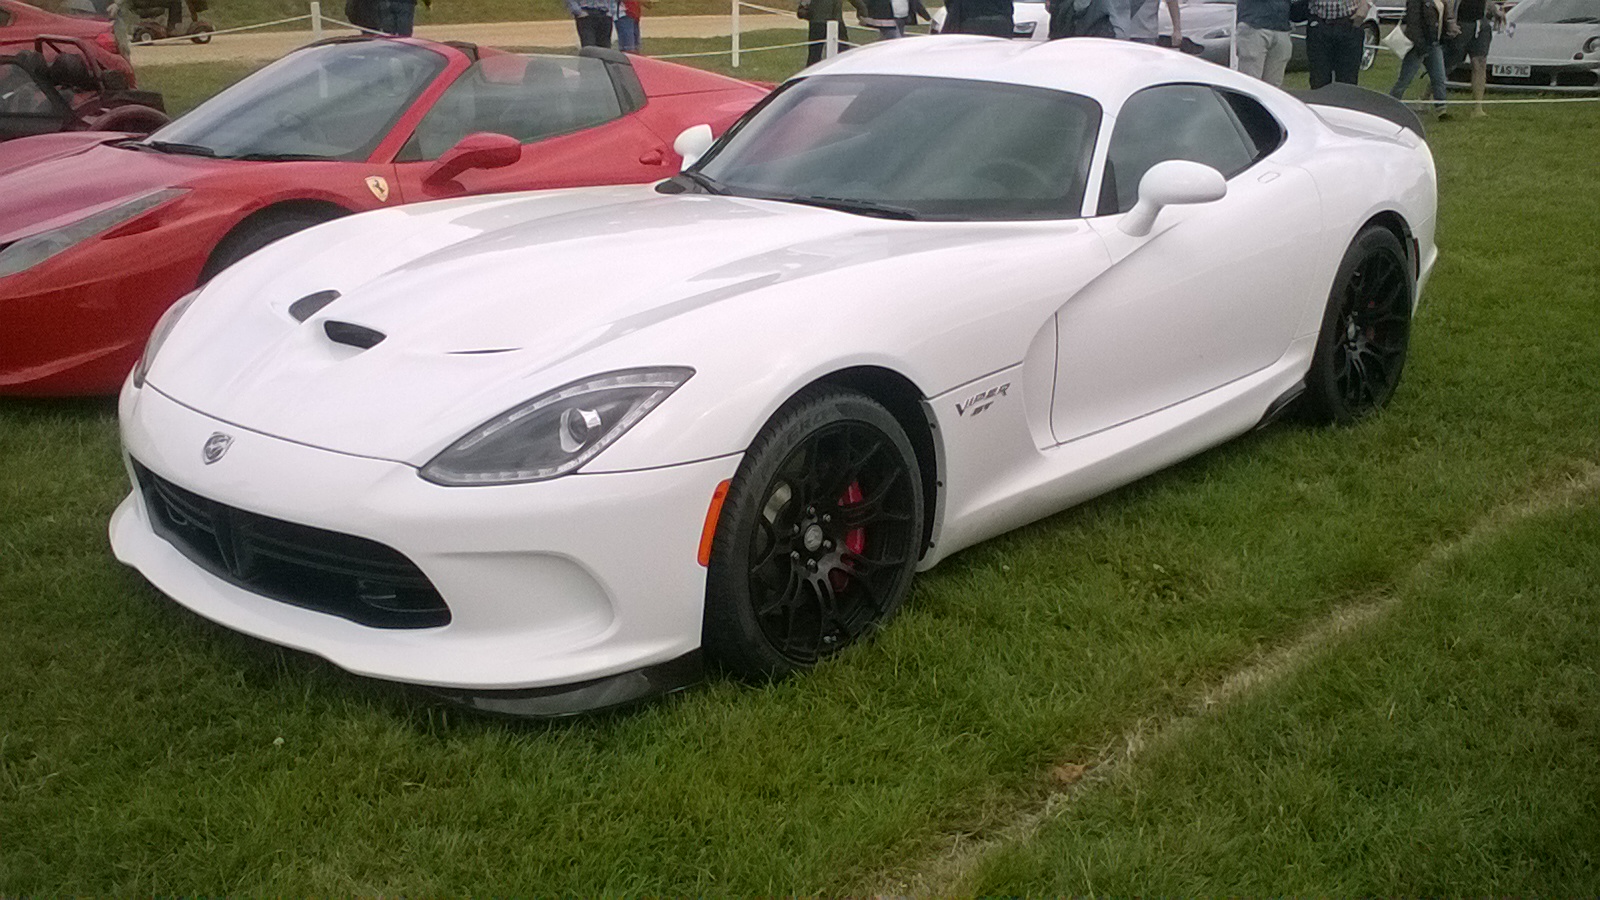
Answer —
(336, 101)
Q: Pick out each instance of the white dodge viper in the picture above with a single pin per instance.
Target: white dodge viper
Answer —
(556, 451)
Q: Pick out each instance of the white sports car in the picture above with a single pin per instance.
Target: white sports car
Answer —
(549, 452)
(1548, 45)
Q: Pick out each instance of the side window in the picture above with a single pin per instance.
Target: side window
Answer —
(526, 97)
(1172, 121)
(5, 17)
(1264, 132)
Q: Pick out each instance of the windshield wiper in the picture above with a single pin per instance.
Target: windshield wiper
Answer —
(281, 157)
(844, 204)
(175, 147)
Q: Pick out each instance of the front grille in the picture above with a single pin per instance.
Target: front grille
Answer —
(357, 579)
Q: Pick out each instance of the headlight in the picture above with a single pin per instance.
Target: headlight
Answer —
(36, 248)
(159, 336)
(1024, 29)
(557, 432)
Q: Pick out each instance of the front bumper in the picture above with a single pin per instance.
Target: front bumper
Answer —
(573, 593)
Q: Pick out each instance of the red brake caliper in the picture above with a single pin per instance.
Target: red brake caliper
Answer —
(855, 540)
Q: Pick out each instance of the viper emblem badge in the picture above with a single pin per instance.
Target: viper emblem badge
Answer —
(378, 187)
(215, 446)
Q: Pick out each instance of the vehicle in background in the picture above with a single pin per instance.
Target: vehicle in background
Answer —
(22, 23)
(60, 85)
(1547, 45)
(100, 233)
(1208, 23)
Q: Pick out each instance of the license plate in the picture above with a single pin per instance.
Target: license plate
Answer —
(1504, 71)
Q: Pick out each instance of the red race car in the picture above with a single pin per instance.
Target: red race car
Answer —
(20, 23)
(100, 233)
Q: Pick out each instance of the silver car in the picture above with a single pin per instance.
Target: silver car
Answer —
(1547, 45)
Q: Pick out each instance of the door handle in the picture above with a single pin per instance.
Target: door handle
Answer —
(653, 157)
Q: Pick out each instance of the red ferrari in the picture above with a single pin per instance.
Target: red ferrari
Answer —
(100, 233)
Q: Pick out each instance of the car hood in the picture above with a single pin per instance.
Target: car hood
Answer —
(484, 304)
(54, 180)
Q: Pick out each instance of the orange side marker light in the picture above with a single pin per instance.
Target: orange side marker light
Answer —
(712, 515)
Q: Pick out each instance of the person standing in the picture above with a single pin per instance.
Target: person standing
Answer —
(1140, 20)
(819, 13)
(1477, 20)
(396, 16)
(1264, 39)
(594, 19)
(882, 15)
(1080, 18)
(1335, 41)
(1429, 25)
(628, 24)
(991, 17)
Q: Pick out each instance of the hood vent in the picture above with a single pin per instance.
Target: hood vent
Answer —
(307, 306)
(352, 334)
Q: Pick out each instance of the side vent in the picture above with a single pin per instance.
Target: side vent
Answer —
(352, 334)
(307, 306)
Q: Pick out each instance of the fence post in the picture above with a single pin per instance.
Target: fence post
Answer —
(316, 20)
(735, 14)
(833, 38)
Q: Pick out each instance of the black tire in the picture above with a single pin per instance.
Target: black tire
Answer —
(1366, 330)
(142, 35)
(255, 233)
(818, 539)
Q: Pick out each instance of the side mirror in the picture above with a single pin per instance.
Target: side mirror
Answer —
(692, 143)
(1171, 182)
(479, 150)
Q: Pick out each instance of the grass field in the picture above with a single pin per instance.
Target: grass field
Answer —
(1315, 661)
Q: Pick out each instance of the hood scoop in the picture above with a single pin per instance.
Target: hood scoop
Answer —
(307, 306)
(351, 334)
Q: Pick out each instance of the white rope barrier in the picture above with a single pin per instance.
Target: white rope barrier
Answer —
(1424, 102)
(189, 38)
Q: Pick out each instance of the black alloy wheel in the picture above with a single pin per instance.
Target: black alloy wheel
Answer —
(818, 539)
(1366, 331)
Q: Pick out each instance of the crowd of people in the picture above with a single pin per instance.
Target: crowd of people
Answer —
(1442, 33)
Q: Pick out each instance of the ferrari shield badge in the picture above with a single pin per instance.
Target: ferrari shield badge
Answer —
(378, 187)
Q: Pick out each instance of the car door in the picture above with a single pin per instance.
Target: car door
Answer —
(1214, 292)
(576, 128)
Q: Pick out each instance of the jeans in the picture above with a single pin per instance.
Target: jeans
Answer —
(594, 29)
(395, 16)
(628, 34)
(1432, 56)
(1333, 51)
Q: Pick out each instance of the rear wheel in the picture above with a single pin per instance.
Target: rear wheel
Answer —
(1369, 42)
(1366, 330)
(255, 233)
(818, 538)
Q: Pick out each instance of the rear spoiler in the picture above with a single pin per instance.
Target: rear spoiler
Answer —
(1359, 99)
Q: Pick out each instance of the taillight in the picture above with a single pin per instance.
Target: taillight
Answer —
(107, 42)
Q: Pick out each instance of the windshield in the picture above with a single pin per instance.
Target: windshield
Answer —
(336, 101)
(914, 147)
(1558, 12)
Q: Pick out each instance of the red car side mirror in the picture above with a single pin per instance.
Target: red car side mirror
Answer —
(479, 150)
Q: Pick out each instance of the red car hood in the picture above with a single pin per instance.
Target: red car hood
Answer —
(53, 180)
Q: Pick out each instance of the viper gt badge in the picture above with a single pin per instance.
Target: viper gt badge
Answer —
(215, 447)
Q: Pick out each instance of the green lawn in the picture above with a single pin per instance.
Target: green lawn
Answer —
(1446, 745)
